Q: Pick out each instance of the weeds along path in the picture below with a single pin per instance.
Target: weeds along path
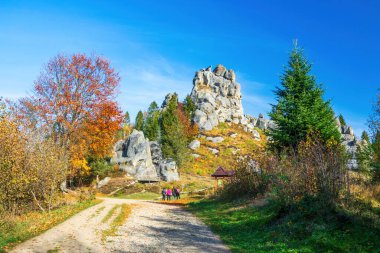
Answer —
(150, 227)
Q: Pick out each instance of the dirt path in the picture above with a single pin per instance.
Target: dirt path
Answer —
(151, 227)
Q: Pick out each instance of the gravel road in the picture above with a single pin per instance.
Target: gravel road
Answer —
(151, 227)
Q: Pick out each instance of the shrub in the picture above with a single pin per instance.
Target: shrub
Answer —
(315, 169)
(249, 180)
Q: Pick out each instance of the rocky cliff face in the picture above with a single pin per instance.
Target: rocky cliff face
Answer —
(143, 159)
(217, 97)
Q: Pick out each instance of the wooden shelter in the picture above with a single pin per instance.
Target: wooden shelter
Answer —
(220, 174)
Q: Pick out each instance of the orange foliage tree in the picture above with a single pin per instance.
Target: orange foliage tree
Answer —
(190, 128)
(73, 99)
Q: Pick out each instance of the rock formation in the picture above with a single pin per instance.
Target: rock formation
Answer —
(350, 142)
(142, 159)
(217, 97)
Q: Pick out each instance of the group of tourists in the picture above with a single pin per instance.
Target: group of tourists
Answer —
(169, 194)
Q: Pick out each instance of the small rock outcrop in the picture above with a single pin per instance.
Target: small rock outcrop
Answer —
(142, 159)
(217, 97)
(195, 144)
(350, 142)
(168, 170)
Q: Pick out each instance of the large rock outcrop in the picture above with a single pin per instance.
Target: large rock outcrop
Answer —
(143, 159)
(133, 155)
(217, 97)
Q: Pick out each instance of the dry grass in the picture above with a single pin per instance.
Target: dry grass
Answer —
(362, 187)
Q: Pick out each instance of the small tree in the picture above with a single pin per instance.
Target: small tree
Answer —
(300, 107)
(365, 137)
(341, 120)
(139, 122)
(174, 140)
(151, 125)
(189, 107)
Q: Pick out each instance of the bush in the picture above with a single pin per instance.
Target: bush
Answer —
(249, 180)
(315, 169)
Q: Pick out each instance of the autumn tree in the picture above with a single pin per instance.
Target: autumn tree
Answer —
(190, 128)
(73, 101)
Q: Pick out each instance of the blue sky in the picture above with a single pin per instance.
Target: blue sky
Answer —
(158, 45)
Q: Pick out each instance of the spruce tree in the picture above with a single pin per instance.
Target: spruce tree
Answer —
(139, 122)
(341, 120)
(127, 120)
(365, 137)
(300, 108)
(173, 139)
(151, 125)
(189, 107)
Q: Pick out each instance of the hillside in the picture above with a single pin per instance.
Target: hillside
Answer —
(234, 142)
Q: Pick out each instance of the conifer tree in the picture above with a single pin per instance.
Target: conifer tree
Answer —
(173, 139)
(365, 136)
(139, 122)
(151, 125)
(341, 120)
(127, 119)
(300, 107)
(189, 107)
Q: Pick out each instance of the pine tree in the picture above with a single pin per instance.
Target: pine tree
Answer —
(364, 154)
(300, 108)
(173, 138)
(151, 126)
(139, 122)
(127, 120)
(365, 137)
(189, 107)
(127, 125)
(341, 120)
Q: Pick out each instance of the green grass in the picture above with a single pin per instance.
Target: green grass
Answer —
(140, 195)
(14, 230)
(119, 220)
(308, 227)
(110, 213)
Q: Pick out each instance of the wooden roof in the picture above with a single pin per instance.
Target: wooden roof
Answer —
(221, 172)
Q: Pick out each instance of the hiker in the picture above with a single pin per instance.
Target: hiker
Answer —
(163, 194)
(168, 194)
(178, 193)
(174, 193)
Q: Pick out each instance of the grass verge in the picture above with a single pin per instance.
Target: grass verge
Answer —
(117, 222)
(110, 213)
(140, 195)
(14, 230)
(309, 227)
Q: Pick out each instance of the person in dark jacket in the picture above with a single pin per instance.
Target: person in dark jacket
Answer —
(163, 194)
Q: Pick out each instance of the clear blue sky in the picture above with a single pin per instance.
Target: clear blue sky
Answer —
(158, 45)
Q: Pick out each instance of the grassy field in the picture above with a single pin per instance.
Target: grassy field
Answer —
(309, 227)
(139, 195)
(14, 230)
